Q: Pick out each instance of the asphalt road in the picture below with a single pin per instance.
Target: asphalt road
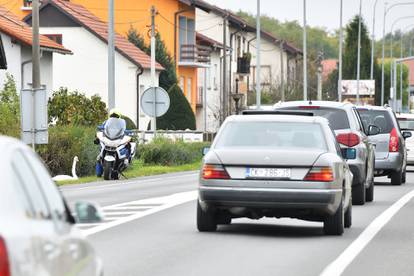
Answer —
(150, 230)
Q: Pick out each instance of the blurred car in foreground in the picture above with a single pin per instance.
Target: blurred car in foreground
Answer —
(351, 136)
(269, 165)
(37, 232)
(406, 122)
(390, 151)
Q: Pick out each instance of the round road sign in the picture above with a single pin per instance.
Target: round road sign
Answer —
(158, 96)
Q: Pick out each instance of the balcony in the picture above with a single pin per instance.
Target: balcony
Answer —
(194, 55)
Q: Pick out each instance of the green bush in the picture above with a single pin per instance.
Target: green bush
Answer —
(166, 152)
(74, 108)
(129, 123)
(66, 142)
(9, 109)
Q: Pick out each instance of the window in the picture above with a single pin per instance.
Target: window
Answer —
(21, 193)
(55, 37)
(27, 178)
(27, 3)
(182, 80)
(189, 90)
(186, 37)
(52, 194)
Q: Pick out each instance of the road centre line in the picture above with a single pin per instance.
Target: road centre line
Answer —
(338, 266)
(169, 202)
(105, 186)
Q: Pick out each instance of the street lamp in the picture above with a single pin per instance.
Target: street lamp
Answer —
(341, 38)
(359, 50)
(305, 66)
(373, 41)
(386, 11)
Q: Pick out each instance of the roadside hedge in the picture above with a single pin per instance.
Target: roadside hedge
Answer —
(166, 152)
(66, 142)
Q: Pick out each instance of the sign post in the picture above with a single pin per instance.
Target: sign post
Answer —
(155, 102)
(34, 121)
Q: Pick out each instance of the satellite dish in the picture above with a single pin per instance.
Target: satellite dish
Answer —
(161, 99)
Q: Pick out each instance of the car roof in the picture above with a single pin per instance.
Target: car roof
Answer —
(314, 103)
(374, 107)
(8, 143)
(277, 118)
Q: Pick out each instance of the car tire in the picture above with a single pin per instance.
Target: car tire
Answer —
(206, 221)
(358, 194)
(404, 176)
(397, 178)
(334, 225)
(369, 193)
(348, 216)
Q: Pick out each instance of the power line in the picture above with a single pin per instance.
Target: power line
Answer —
(168, 21)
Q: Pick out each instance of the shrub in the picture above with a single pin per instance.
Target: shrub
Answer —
(165, 152)
(129, 123)
(74, 108)
(66, 142)
(9, 108)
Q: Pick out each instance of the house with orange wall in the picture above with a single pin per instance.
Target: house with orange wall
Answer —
(175, 21)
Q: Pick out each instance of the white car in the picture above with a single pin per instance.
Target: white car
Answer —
(37, 231)
(406, 121)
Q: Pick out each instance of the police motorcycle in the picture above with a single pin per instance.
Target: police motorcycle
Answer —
(116, 149)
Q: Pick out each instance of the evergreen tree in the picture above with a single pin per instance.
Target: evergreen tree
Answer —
(180, 115)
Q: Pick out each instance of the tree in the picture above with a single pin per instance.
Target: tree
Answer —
(74, 108)
(180, 115)
(9, 108)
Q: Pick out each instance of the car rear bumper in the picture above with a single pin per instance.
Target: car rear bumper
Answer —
(325, 201)
(393, 162)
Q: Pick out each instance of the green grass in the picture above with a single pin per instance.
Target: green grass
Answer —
(138, 169)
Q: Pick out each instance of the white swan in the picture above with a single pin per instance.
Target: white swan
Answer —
(67, 177)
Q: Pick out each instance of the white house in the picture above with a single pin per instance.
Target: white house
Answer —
(279, 59)
(76, 28)
(16, 52)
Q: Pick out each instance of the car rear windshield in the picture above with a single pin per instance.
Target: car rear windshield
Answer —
(337, 118)
(272, 135)
(379, 118)
(406, 123)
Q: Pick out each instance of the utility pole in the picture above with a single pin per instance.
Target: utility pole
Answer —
(111, 55)
(359, 51)
(224, 104)
(401, 73)
(305, 59)
(341, 40)
(383, 55)
(373, 41)
(36, 84)
(153, 76)
(282, 71)
(319, 75)
(258, 63)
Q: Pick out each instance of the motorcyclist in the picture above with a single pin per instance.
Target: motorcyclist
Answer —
(113, 113)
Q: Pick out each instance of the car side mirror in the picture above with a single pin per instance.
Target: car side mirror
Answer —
(88, 213)
(373, 130)
(206, 150)
(407, 134)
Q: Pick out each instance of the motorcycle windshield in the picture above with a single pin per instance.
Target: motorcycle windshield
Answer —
(114, 128)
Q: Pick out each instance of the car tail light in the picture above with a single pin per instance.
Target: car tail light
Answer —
(215, 172)
(4, 259)
(348, 139)
(321, 174)
(393, 146)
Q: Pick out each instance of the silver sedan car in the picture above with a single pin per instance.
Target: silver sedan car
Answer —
(275, 165)
(37, 231)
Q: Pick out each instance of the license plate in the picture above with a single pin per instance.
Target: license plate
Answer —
(268, 173)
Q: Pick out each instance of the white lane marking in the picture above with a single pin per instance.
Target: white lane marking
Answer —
(126, 208)
(338, 266)
(108, 214)
(105, 186)
(167, 202)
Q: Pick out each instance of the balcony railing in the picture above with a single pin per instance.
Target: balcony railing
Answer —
(190, 53)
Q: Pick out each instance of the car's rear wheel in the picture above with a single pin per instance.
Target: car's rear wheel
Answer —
(206, 220)
(334, 225)
(348, 216)
(369, 193)
(404, 176)
(397, 178)
(358, 194)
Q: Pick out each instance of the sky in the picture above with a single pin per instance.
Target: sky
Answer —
(325, 13)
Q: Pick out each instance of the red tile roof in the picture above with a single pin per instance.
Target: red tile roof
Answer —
(99, 28)
(328, 66)
(17, 29)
